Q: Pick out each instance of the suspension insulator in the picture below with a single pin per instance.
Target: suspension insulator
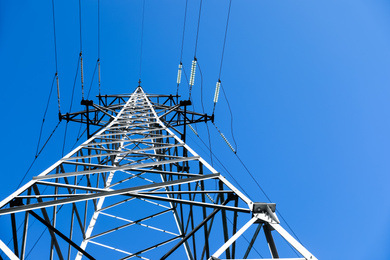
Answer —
(179, 74)
(82, 75)
(193, 68)
(216, 95)
(58, 92)
(193, 130)
(227, 142)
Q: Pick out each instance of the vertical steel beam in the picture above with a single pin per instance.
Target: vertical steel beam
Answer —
(14, 235)
(25, 229)
(47, 219)
(234, 238)
(54, 230)
(235, 216)
(224, 224)
(270, 241)
(248, 250)
(204, 222)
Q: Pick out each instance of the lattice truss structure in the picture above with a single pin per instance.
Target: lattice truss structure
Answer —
(134, 189)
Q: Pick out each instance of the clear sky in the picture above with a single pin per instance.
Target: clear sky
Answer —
(308, 83)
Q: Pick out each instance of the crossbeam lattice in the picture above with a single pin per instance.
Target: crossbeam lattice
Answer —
(136, 190)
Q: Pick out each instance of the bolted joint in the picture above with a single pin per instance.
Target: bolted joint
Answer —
(16, 202)
(185, 103)
(232, 196)
(260, 207)
(265, 212)
(86, 102)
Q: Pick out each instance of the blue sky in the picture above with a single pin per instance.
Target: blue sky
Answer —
(307, 81)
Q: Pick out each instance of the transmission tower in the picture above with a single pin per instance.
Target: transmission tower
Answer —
(135, 189)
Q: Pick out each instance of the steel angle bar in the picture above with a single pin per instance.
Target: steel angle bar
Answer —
(96, 155)
(233, 238)
(48, 196)
(115, 249)
(151, 247)
(187, 192)
(193, 231)
(270, 241)
(127, 167)
(156, 171)
(208, 166)
(248, 250)
(189, 202)
(53, 229)
(8, 252)
(62, 185)
(156, 147)
(126, 225)
(101, 109)
(144, 225)
(260, 259)
(90, 165)
(170, 110)
(104, 194)
(293, 242)
(154, 155)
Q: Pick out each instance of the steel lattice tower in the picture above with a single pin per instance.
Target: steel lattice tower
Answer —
(135, 189)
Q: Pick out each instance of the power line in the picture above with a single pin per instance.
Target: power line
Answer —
(98, 60)
(142, 40)
(98, 22)
(55, 38)
(197, 31)
(231, 117)
(44, 116)
(184, 29)
(81, 54)
(224, 40)
(55, 57)
(181, 52)
(81, 40)
(71, 104)
(37, 155)
(262, 190)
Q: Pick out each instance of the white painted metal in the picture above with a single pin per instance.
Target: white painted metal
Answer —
(8, 251)
(131, 140)
(234, 238)
(292, 241)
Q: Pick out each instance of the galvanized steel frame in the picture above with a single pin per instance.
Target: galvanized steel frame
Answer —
(135, 160)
